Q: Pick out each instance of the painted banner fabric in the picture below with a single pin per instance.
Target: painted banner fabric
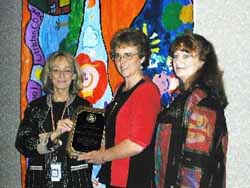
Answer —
(84, 28)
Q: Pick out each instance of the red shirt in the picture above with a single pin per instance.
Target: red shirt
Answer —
(135, 121)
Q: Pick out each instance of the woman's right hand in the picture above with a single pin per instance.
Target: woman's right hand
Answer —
(96, 156)
(63, 126)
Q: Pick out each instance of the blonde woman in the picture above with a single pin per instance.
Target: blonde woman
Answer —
(43, 132)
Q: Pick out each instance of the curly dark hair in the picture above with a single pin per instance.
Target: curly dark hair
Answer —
(131, 37)
(210, 73)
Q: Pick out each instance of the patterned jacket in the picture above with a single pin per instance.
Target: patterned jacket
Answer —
(191, 142)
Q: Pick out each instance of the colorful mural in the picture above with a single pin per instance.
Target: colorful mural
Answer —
(84, 28)
(162, 21)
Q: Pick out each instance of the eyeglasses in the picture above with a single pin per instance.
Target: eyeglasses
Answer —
(125, 56)
(66, 72)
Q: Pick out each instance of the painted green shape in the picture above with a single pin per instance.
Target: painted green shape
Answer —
(170, 18)
(41, 5)
(75, 22)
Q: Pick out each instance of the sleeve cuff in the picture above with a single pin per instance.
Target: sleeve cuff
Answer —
(46, 145)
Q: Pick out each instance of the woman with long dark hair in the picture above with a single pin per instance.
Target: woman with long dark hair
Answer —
(191, 139)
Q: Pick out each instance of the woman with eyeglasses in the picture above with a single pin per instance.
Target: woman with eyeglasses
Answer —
(42, 134)
(191, 141)
(127, 157)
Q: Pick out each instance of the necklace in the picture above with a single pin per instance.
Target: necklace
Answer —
(52, 114)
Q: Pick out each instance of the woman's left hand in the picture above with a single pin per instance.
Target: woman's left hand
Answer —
(96, 157)
(63, 126)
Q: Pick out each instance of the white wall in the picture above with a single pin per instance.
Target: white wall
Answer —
(226, 23)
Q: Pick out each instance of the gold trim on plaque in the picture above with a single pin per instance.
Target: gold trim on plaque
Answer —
(92, 131)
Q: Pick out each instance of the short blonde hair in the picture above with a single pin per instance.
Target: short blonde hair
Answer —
(76, 84)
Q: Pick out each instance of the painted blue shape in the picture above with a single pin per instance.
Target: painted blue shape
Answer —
(91, 43)
(52, 31)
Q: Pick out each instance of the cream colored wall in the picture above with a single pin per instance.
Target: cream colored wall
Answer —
(227, 24)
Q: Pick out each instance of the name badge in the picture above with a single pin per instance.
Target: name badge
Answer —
(56, 172)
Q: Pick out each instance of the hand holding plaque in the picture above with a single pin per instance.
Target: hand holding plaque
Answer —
(87, 131)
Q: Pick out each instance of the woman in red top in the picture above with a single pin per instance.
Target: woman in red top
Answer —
(130, 118)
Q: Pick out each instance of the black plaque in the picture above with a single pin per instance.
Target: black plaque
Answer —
(87, 132)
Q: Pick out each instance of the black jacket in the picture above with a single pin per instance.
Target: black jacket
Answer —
(37, 122)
